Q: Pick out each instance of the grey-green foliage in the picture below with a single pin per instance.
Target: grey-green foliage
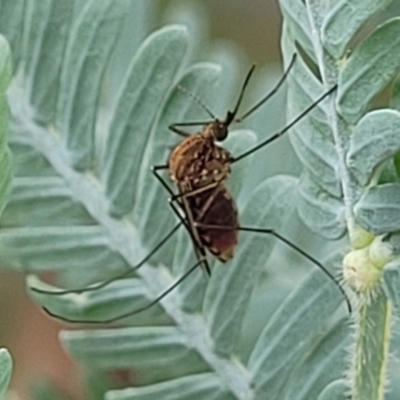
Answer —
(5, 371)
(373, 139)
(5, 155)
(5, 178)
(350, 183)
(86, 206)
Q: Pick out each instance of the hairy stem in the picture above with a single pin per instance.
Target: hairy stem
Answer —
(373, 325)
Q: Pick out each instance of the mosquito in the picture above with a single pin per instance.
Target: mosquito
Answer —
(200, 166)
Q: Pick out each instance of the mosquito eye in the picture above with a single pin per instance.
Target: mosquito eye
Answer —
(222, 133)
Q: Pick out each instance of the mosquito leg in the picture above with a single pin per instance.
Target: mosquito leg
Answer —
(188, 223)
(173, 196)
(130, 270)
(271, 93)
(196, 191)
(210, 200)
(160, 179)
(230, 116)
(122, 275)
(198, 246)
(130, 313)
(196, 242)
(178, 131)
(285, 129)
(288, 243)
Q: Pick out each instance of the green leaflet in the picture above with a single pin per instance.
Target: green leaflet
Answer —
(5, 371)
(374, 140)
(323, 213)
(29, 162)
(162, 352)
(5, 180)
(11, 19)
(192, 15)
(134, 29)
(395, 104)
(26, 207)
(201, 387)
(378, 210)
(289, 333)
(58, 248)
(131, 121)
(391, 284)
(5, 156)
(312, 138)
(344, 20)
(298, 25)
(369, 69)
(335, 390)
(49, 29)
(90, 44)
(103, 304)
(229, 291)
(324, 364)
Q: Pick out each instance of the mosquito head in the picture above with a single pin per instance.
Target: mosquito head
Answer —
(219, 129)
(216, 131)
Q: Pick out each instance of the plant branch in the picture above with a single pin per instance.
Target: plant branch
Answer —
(373, 319)
(340, 131)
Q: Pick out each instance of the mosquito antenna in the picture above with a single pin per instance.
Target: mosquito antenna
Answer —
(286, 128)
(290, 244)
(271, 93)
(129, 313)
(196, 100)
(196, 123)
(230, 116)
(122, 275)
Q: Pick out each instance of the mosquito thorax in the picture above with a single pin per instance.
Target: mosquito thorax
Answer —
(198, 161)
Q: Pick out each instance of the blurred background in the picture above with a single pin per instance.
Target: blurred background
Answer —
(251, 30)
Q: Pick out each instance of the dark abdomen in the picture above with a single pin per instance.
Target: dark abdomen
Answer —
(219, 211)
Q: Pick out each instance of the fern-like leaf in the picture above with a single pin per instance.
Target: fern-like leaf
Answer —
(86, 206)
(350, 185)
(5, 371)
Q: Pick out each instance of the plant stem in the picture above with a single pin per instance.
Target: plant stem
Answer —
(373, 325)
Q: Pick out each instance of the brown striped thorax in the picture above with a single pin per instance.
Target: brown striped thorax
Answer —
(198, 161)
